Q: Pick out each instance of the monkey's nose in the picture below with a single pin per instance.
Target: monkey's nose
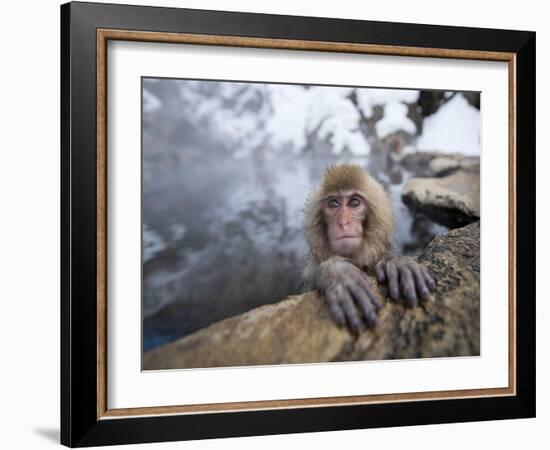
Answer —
(344, 224)
(344, 221)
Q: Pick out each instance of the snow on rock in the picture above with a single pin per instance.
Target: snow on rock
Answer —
(337, 119)
(249, 115)
(395, 119)
(367, 98)
(354, 141)
(297, 111)
(246, 116)
(454, 128)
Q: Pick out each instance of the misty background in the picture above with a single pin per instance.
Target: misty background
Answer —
(227, 168)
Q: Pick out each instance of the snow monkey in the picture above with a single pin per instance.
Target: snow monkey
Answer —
(349, 225)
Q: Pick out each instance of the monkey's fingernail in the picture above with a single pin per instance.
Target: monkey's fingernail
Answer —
(425, 293)
(411, 298)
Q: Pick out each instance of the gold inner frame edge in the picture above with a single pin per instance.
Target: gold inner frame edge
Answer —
(103, 36)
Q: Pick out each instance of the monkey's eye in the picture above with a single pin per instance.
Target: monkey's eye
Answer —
(333, 203)
(354, 202)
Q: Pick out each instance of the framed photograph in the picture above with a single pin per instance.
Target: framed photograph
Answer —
(278, 224)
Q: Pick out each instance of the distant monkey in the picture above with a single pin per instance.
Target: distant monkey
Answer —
(349, 225)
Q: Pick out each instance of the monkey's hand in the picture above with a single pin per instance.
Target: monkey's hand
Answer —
(406, 278)
(349, 293)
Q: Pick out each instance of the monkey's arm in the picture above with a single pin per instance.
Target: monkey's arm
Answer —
(348, 292)
(405, 277)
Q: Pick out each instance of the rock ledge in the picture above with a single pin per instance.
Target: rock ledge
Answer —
(299, 329)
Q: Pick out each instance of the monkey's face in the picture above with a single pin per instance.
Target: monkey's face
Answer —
(344, 214)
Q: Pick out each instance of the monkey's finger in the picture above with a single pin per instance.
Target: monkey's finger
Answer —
(351, 314)
(421, 286)
(429, 280)
(380, 274)
(366, 284)
(336, 310)
(362, 298)
(407, 283)
(391, 272)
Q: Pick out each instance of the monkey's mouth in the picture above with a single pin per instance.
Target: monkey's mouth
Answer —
(347, 237)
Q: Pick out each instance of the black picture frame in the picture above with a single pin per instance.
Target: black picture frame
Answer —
(82, 423)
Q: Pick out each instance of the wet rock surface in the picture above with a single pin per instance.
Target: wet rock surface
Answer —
(451, 200)
(300, 329)
(447, 164)
(436, 164)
